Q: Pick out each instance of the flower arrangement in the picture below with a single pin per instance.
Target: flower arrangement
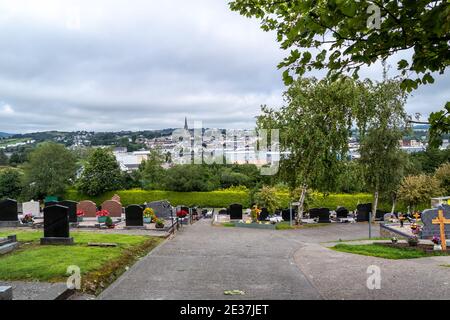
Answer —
(102, 213)
(102, 216)
(394, 240)
(254, 213)
(80, 213)
(182, 213)
(149, 215)
(415, 228)
(436, 240)
(28, 218)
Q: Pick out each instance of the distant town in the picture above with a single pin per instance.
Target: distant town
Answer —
(131, 148)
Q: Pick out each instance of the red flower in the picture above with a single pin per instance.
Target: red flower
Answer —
(80, 213)
(182, 213)
(102, 213)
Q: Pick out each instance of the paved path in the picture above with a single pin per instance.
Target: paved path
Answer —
(202, 261)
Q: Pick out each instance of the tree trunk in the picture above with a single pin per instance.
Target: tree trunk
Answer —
(375, 207)
(394, 203)
(301, 205)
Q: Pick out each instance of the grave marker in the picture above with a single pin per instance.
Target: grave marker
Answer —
(113, 207)
(56, 226)
(31, 207)
(72, 206)
(442, 221)
(235, 211)
(89, 208)
(134, 216)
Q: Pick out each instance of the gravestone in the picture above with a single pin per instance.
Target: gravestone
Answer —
(31, 207)
(342, 212)
(8, 213)
(56, 226)
(380, 215)
(264, 214)
(116, 197)
(363, 211)
(134, 216)
(286, 214)
(223, 211)
(388, 216)
(323, 214)
(235, 211)
(162, 209)
(89, 208)
(429, 229)
(51, 203)
(72, 206)
(113, 207)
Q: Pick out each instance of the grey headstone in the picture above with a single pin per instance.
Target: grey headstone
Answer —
(429, 229)
(162, 209)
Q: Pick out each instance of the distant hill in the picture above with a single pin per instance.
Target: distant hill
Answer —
(5, 135)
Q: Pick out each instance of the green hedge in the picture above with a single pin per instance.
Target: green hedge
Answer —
(214, 199)
(223, 198)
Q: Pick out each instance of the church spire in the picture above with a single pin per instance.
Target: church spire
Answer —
(185, 124)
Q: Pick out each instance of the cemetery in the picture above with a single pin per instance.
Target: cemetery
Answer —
(101, 240)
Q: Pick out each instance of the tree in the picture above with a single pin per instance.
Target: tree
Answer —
(50, 170)
(101, 173)
(228, 178)
(267, 198)
(442, 175)
(10, 183)
(3, 158)
(315, 127)
(151, 170)
(186, 178)
(343, 35)
(415, 190)
(381, 157)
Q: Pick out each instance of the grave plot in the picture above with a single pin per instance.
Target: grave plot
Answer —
(99, 264)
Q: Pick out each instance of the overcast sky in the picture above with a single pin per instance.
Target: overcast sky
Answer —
(109, 65)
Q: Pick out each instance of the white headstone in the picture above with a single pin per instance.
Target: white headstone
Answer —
(31, 207)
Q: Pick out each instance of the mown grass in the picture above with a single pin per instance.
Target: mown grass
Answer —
(380, 251)
(33, 262)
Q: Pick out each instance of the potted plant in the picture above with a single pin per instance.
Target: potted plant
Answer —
(149, 215)
(437, 243)
(413, 241)
(159, 223)
(80, 215)
(109, 223)
(102, 215)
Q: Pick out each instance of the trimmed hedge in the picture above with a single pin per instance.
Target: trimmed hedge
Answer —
(223, 198)
(213, 199)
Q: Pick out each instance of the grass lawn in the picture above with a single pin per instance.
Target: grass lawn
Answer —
(380, 251)
(98, 265)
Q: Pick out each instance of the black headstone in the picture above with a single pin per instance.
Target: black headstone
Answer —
(134, 216)
(235, 211)
(56, 222)
(341, 212)
(264, 214)
(286, 214)
(72, 205)
(223, 211)
(363, 211)
(51, 203)
(380, 215)
(8, 210)
(323, 214)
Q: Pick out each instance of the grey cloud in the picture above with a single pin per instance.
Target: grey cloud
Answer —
(141, 65)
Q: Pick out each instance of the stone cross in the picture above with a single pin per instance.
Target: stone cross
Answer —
(442, 221)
